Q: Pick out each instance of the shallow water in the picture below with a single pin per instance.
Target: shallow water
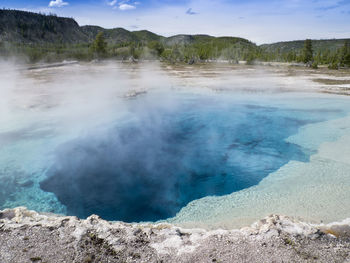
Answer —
(143, 159)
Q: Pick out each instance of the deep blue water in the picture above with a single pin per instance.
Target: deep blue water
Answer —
(151, 166)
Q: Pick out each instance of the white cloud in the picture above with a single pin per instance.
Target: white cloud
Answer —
(112, 3)
(57, 3)
(124, 7)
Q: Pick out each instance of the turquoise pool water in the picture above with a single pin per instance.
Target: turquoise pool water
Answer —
(160, 152)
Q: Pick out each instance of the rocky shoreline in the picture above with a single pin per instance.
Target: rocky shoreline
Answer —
(27, 236)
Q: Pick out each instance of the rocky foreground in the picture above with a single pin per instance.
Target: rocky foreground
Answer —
(26, 236)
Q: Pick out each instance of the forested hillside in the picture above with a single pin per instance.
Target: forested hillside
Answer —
(29, 28)
(51, 38)
(39, 37)
(324, 51)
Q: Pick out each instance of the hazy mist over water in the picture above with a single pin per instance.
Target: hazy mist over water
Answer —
(139, 142)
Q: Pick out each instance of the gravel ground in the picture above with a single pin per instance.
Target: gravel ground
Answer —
(26, 236)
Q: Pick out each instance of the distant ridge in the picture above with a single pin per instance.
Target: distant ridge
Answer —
(297, 45)
(39, 37)
(30, 28)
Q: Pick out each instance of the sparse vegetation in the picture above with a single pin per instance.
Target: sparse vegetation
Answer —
(333, 65)
(314, 65)
(35, 259)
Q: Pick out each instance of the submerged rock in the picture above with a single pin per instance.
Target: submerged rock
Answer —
(27, 236)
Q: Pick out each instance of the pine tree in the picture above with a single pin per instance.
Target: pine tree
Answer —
(345, 54)
(307, 52)
(291, 56)
(156, 46)
(326, 56)
(100, 45)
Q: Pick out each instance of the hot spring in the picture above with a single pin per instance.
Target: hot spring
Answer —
(140, 143)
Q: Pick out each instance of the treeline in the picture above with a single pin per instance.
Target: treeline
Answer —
(334, 57)
(33, 53)
(233, 49)
(218, 49)
(48, 38)
(229, 49)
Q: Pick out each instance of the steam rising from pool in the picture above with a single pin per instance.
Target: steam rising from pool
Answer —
(151, 166)
(135, 143)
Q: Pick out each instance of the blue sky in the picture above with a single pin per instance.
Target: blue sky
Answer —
(261, 21)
